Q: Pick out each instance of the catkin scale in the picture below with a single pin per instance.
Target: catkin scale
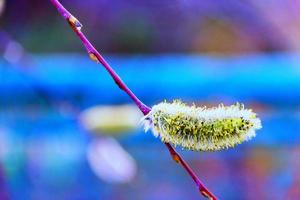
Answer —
(201, 128)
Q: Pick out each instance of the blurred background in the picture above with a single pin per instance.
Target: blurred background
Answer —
(67, 131)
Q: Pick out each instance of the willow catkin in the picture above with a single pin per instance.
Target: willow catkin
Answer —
(201, 128)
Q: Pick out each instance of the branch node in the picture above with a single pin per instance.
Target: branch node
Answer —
(176, 158)
(93, 57)
(74, 23)
(205, 194)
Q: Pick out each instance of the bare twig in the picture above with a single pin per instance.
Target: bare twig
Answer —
(95, 55)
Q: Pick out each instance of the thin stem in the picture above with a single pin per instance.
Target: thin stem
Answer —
(177, 158)
(96, 56)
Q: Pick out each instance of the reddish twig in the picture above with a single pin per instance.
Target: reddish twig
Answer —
(96, 56)
(177, 158)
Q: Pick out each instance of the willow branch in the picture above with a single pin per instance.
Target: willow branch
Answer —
(96, 56)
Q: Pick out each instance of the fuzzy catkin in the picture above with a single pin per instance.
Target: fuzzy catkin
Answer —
(201, 128)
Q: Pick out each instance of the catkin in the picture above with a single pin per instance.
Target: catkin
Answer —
(201, 128)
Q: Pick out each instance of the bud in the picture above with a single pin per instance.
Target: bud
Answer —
(74, 23)
(93, 57)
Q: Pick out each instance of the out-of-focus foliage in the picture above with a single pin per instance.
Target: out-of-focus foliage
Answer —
(111, 120)
(225, 26)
